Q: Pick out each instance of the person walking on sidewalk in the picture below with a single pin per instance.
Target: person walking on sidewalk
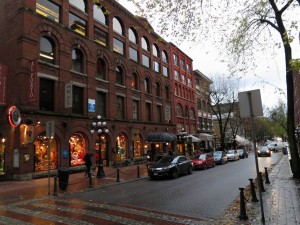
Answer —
(88, 164)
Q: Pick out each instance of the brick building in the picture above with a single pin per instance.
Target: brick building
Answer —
(69, 61)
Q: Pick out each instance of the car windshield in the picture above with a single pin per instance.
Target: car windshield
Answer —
(166, 159)
(230, 151)
(202, 156)
(262, 148)
(240, 150)
(217, 154)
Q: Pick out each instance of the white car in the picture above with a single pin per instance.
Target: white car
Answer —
(232, 155)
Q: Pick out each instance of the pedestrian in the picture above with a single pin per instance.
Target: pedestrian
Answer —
(88, 164)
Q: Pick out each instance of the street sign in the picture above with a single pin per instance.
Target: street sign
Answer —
(247, 107)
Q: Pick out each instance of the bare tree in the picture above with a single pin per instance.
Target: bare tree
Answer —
(224, 103)
(244, 26)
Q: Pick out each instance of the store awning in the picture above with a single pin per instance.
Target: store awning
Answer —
(206, 137)
(161, 137)
(194, 139)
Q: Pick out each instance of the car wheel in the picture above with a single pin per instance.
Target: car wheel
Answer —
(174, 174)
(190, 171)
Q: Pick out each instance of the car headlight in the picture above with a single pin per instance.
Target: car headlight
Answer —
(258, 151)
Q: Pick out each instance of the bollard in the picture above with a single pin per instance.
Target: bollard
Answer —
(243, 215)
(261, 182)
(138, 172)
(55, 186)
(267, 176)
(118, 175)
(90, 180)
(253, 194)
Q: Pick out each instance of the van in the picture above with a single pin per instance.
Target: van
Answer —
(276, 146)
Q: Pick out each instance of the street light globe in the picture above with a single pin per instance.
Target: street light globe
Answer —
(92, 131)
(106, 131)
(99, 131)
(99, 117)
(104, 123)
(94, 124)
(99, 124)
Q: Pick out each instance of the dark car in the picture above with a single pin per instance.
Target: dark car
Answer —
(203, 161)
(263, 151)
(220, 157)
(171, 166)
(243, 153)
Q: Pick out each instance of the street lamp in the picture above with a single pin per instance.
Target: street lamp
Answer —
(100, 127)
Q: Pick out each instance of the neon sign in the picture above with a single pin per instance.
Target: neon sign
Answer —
(14, 116)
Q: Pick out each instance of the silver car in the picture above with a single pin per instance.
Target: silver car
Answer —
(232, 155)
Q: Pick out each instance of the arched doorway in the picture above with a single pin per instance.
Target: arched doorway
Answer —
(41, 144)
(78, 148)
(121, 146)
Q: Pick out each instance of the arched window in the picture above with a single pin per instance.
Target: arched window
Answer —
(117, 26)
(99, 15)
(155, 50)
(132, 35)
(145, 44)
(179, 110)
(147, 86)
(158, 91)
(119, 75)
(101, 69)
(47, 50)
(135, 82)
(77, 60)
(164, 56)
(80, 4)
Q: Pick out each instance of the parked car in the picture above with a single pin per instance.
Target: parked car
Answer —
(220, 157)
(276, 146)
(170, 166)
(232, 155)
(203, 161)
(263, 151)
(242, 153)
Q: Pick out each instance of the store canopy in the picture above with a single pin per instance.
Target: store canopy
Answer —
(206, 137)
(194, 139)
(161, 137)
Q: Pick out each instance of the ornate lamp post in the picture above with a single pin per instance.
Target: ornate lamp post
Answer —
(100, 127)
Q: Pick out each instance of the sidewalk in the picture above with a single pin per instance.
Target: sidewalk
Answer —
(281, 200)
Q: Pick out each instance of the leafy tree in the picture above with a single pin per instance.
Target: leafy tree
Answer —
(244, 27)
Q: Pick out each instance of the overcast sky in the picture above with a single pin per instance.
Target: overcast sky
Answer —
(268, 77)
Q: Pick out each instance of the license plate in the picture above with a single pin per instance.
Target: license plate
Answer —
(155, 174)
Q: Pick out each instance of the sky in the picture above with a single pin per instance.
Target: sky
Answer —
(269, 75)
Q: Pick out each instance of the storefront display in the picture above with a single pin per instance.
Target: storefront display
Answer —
(41, 153)
(78, 149)
(121, 146)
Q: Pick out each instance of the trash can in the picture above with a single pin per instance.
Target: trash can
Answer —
(63, 177)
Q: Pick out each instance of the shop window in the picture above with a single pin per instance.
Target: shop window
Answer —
(133, 54)
(145, 61)
(121, 143)
(77, 24)
(119, 76)
(164, 56)
(78, 149)
(101, 70)
(41, 153)
(137, 147)
(48, 9)
(101, 104)
(77, 60)
(155, 50)
(145, 44)
(100, 36)
(132, 35)
(77, 100)
(117, 26)
(46, 99)
(99, 15)
(118, 46)
(120, 107)
(47, 50)
(80, 4)
(147, 86)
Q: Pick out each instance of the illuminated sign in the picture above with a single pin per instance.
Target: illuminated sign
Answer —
(14, 116)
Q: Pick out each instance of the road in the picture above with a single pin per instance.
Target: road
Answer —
(203, 194)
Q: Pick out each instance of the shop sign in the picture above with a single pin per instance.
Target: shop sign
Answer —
(91, 105)
(65, 153)
(3, 78)
(68, 96)
(33, 81)
(14, 116)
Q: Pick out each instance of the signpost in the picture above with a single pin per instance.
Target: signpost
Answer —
(50, 135)
(250, 106)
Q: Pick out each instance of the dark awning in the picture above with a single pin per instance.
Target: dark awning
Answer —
(160, 137)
